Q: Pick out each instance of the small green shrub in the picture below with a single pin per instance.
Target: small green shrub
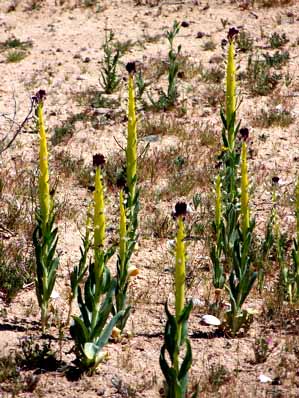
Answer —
(277, 60)
(214, 75)
(209, 45)
(15, 56)
(109, 77)
(15, 43)
(276, 40)
(260, 79)
(244, 41)
(66, 131)
(273, 117)
(15, 270)
(218, 376)
(168, 99)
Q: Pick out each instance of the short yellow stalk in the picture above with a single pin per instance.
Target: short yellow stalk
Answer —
(297, 208)
(180, 275)
(230, 92)
(297, 220)
(218, 209)
(122, 230)
(131, 140)
(244, 192)
(99, 217)
(180, 269)
(43, 183)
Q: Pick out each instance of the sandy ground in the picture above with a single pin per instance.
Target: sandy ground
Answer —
(65, 59)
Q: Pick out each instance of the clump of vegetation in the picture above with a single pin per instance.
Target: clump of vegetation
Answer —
(260, 78)
(213, 75)
(14, 56)
(276, 40)
(109, 76)
(273, 117)
(209, 45)
(15, 43)
(273, 3)
(66, 131)
(162, 125)
(218, 376)
(15, 270)
(277, 60)
(168, 99)
(244, 41)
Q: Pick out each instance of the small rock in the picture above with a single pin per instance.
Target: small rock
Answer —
(151, 138)
(265, 379)
(86, 60)
(210, 320)
(199, 35)
(216, 59)
(77, 56)
(185, 24)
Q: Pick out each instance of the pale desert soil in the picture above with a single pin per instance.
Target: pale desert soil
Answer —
(63, 37)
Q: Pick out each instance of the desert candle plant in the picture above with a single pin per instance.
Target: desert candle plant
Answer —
(45, 235)
(242, 276)
(176, 331)
(230, 127)
(92, 329)
(128, 209)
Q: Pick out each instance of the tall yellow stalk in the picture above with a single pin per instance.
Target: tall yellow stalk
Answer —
(244, 192)
(43, 183)
(131, 140)
(99, 216)
(230, 91)
(180, 268)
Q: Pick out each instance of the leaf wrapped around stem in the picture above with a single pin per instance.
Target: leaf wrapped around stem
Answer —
(45, 238)
(176, 375)
(244, 193)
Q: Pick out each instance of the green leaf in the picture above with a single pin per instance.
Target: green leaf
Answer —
(108, 330)
(187, 362)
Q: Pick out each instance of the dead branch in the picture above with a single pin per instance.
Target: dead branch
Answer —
(5, 145)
